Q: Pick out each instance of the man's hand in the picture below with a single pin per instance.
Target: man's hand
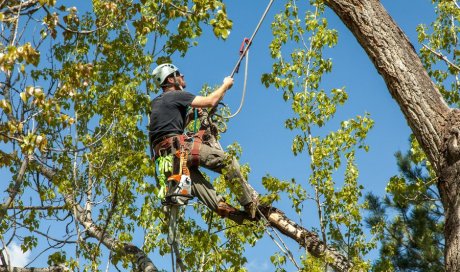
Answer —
(228, 82)
(213, 98)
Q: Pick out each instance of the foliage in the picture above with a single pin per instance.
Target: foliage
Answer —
(299, 76)
(73, 112)
(440, 53)
(72, 125)
(412, 239)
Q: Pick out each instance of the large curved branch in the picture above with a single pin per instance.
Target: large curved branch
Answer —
(141, 259)
(397, 61)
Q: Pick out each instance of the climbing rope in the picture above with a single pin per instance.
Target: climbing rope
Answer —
(252, 38)
(283, 247)
(172, 230)
(243, 95)
(245, 53)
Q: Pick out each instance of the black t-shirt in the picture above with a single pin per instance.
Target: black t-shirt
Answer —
(168, 113)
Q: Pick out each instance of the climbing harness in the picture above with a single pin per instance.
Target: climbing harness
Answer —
(244, 52)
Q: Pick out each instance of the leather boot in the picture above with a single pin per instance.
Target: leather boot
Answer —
(228, 211)
(224, 209)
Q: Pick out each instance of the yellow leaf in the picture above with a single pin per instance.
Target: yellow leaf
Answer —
(5, 106)
(38, 93)
(23, 96)
(30, 90)
(38, 140)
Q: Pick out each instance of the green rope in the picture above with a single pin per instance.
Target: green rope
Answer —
(196, 121)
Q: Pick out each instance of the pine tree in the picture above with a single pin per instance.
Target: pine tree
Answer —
(408, 220)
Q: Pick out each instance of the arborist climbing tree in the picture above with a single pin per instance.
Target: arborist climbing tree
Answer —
(168, 120)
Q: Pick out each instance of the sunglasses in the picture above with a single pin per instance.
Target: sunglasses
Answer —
(178, 74)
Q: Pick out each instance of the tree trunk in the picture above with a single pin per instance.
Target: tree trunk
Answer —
(434, 124)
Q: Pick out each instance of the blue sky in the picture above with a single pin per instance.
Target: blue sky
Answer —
(259, 128)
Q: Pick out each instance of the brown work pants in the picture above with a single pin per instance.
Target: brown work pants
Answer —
(215, 160)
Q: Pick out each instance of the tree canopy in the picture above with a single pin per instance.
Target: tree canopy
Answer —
(75, 89)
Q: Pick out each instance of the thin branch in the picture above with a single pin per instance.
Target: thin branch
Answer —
(100, 137)
(34, 269)
(37, 208)
(185, 12)
(48, 237)
(283, 248)
(456, 4)
(84, 32)
(89, 192)
(16, 188)
(7, 263)
(442, 57)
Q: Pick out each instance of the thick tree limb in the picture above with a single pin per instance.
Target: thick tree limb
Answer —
(141, 260)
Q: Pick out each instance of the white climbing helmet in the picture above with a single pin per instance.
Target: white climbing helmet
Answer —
(162, 71)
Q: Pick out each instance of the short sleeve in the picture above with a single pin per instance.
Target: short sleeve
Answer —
(183, 98)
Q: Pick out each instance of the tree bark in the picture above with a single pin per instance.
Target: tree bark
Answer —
(434, 124)
(140, 259)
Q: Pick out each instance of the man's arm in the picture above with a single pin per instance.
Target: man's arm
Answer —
(213, 99)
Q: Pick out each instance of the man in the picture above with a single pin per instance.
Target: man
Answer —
(167, 123)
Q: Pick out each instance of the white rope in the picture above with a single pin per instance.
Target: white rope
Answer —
(244, 87)
(245, 54)
(284, 248)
